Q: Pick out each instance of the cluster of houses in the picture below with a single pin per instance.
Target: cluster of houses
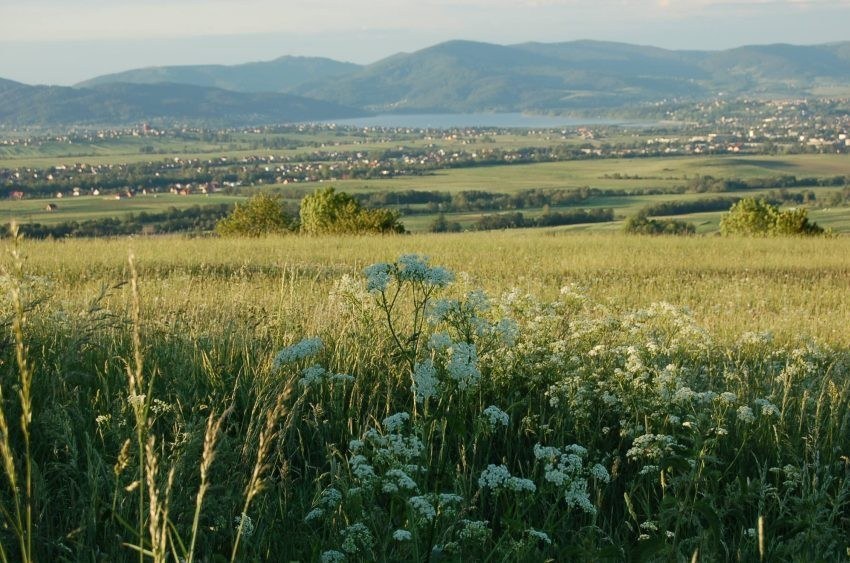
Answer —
(721, 127)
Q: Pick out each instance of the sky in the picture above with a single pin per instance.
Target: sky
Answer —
(66, 41)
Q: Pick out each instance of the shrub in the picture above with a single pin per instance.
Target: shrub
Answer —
(640, 224)
(757, 217)
(262, 214)
(327, 211)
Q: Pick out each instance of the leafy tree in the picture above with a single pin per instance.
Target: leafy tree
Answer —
(750, 217)
(262, 214)
(795, 222)
(641, 224)
(327, 211)
(442, 225)
(757, 217)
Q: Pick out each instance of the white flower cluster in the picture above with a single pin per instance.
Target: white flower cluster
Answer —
(463, 365)
(422, 507)
(497, 477)
(387, 459)
(395, 422)
(425, 382)
(415, 268)
(746, 415)
(332, 556)
(539, 536)
(361, 468)
(728, 397)
(245, 525)
(304, 349)
(314, 514)
(312, 376)
(439, 342)
(599, 473)
(409, 268)
(356, 537)
(396, 480)
(426, 507)
(495, 417)
(651, 446)
(328, 500)
(565, 469)
(768, 409)
(685, 395)
(561, 466)
(377, 277)
(508, 331)
(474, 531)
(315, 375)
(440, 309)
(402, 535)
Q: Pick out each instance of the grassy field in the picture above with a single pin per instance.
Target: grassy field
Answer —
(96, 207)
(791, 287)
(652, 172)
(608, 398)
(558, 394)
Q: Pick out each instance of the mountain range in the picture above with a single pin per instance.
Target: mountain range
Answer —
(456, 76)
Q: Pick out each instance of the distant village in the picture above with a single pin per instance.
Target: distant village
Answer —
(717, 127)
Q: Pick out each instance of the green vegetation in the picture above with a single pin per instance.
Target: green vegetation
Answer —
(194, 219)
(641, 224)
(263, 398)
(548, 218)
(261, 215)
(757, 217)
(663, 186)
(327, 211)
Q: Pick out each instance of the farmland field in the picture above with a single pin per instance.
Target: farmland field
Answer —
(622, 176)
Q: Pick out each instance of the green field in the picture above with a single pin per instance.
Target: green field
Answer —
(791, 287)
(607, 398)
(654, 173)
(646, 173)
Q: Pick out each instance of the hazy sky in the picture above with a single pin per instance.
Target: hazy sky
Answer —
(65, 41)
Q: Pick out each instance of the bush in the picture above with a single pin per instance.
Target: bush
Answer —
(640, 224)
(262, 214)
(757, 217)
(327, 211)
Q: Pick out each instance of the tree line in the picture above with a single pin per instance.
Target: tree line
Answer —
(192, 219)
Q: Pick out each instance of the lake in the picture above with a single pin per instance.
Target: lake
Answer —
(461, 120)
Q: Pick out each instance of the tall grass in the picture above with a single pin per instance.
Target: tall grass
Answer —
(182, 415)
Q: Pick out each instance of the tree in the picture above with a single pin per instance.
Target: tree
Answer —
(442, 225)
(641, 224)
(327, 211)
(757, 217)
(262, 214)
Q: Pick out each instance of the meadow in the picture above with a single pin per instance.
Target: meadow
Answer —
(519, 396)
